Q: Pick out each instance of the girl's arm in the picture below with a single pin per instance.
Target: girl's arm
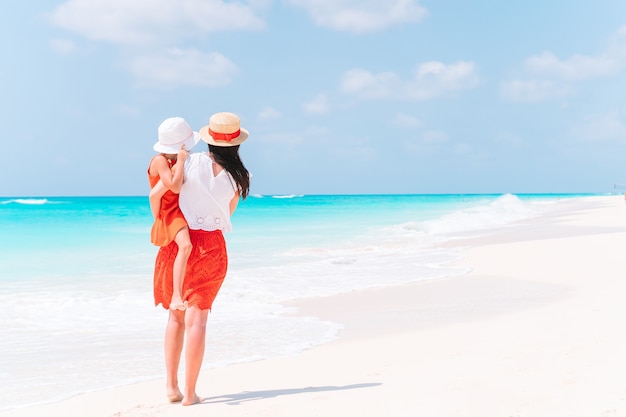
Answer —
(173, 178)
(170, 179)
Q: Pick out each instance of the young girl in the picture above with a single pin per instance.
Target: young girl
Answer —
(165, 174)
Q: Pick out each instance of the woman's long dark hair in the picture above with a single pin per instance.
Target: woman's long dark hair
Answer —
(228, 158)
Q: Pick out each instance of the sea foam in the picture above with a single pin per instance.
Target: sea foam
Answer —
(80, 304)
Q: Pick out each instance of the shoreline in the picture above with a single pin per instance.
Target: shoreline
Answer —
(532, 329)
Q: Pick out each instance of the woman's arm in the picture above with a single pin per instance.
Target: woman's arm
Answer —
(233, 203)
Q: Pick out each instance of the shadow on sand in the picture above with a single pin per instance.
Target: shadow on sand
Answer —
(235, 399)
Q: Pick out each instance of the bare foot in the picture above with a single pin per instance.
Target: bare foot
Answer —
(174, 396)
(192, 401)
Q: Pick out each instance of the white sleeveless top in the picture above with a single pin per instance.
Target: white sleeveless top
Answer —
(204, 199)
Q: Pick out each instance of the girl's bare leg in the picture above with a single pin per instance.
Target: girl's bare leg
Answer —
(183, 241)
(174, 338)
(195, 321)
(155, 198)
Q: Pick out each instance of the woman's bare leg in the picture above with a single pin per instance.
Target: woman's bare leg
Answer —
(195, 321)
(174, 339)
(183, 241)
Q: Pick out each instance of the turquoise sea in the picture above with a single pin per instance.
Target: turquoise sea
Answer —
(76, 277)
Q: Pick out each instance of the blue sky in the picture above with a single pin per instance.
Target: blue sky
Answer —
(339, 96)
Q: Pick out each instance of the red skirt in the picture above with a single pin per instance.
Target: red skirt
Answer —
(206, 269)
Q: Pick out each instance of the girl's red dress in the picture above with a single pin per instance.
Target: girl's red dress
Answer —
(170, 219)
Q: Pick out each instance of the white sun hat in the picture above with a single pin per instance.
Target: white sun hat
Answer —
(174, 132)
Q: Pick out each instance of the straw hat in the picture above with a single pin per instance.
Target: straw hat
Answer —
(174, 132)
(224, 129)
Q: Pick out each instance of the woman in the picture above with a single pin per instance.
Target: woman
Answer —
(212, 186)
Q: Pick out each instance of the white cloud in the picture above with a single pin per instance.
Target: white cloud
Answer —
(129, 111)
(533, 90)
(175, 67)
(405, 121)
(319, 105)
(431, 80)
(269, 113)
(138, 22)
(317, 131)
(510, 139)
(284, 138)
(434, 136)
(145, 25)
(546, 76)
(463, 149)
(607, 126)
(63, 46)
(361, 16)
(577, 67)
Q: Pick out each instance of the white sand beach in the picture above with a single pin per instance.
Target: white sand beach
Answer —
(537, 328)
